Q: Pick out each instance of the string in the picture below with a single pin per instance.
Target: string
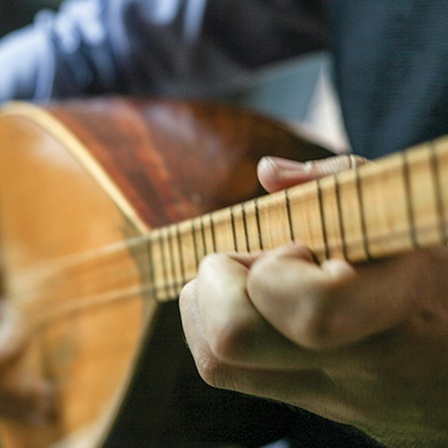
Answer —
(62, 308)
(51, 268)
(53, 271)
(183, 227)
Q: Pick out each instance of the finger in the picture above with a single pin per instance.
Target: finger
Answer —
(235, 331)
(276, 173)
(328, 306)
(221, 324)
(239, 336)
(192, 324)
(310, 385)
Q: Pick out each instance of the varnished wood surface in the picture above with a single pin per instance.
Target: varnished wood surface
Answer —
(89, 192)
(176, 160)
(82, 176)
(52, 209)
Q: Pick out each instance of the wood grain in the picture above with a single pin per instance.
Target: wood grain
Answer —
(81, 176)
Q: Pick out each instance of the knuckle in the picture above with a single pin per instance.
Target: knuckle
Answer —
(216, 373)
(210, 370)
(317, 332)
(209, 262)
(258, 278)
(232, 341)
(319, 321)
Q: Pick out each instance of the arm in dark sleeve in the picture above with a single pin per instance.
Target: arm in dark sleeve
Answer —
(179, 47)
(60, 55)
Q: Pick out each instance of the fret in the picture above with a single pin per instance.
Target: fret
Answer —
(306, 217)
(406, 173)
(170, 260)
(224, 236)
(352, 230)
(273, 222)
(203, 236)
(207, 234)
(151, 263)
(257, 218)
(438, 167)
(246, 233)
(234, 237)
(174, 260)
(288, 212)
(385, 212)
(250, 238)
(140, 249)
(199, 239)
(422, 190)
(437, 192)
(182, 277)
(212, 232)
(159, 267)
(188, 250)
(340, 217)
(330, 206)
(322, 220)
(382, 208)
(195, 246)
(164, 258)
(362, 216)
(239, 232)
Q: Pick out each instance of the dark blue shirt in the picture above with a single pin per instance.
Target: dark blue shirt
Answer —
(390, 56)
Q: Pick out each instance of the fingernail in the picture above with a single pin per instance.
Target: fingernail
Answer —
(287, 164)
(337, 268)
(266, 164)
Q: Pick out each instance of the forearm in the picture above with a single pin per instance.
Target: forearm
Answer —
(26, 65)
(410, 438)
(62, 54)
(183, 48)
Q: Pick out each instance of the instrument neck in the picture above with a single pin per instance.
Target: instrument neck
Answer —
(396, 204)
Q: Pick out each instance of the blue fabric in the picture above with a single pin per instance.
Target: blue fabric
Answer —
(391, 65)
(390, 55)
(191, 48)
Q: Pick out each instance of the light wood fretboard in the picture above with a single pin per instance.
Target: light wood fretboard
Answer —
(396, 204)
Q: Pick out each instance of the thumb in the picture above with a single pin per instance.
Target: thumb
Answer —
(276, 173)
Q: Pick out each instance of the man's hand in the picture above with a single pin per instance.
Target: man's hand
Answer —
(365, 345)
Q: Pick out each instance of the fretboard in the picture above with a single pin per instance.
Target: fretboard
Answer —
(395, 204)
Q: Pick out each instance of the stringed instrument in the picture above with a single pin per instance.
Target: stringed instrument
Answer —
(82, 186)
(107, 208)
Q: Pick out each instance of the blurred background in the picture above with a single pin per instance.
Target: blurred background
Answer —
(299, 93)
(17, 13)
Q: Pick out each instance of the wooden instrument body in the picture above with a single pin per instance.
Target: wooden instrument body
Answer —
(81, 177)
